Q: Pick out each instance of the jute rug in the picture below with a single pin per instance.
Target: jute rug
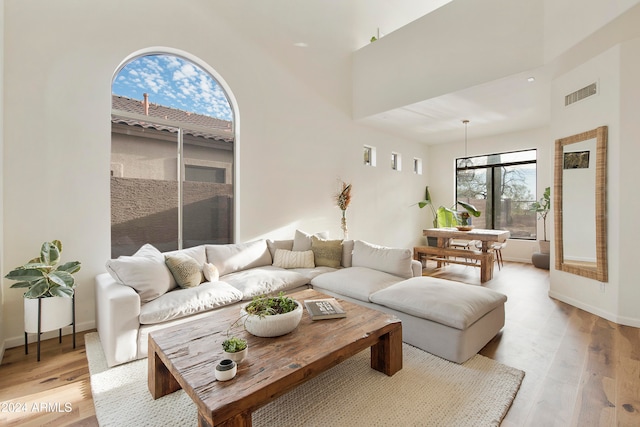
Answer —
(428, 391)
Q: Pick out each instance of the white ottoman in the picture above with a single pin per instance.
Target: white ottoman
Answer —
(449, 319)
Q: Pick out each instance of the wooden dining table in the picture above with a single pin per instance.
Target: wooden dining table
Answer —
(444, 253)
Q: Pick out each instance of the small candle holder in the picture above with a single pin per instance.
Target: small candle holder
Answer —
(226, 370)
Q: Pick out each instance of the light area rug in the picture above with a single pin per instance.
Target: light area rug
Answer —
(428, 391)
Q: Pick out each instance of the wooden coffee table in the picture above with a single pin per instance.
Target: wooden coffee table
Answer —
(185, 356)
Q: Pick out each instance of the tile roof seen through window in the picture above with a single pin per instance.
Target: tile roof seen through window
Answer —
(220, 129)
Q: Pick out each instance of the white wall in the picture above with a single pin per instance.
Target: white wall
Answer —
(442, 176)
(627, 192)
(568, 22)
(294, 143)
(432, 55)
(2, 333)
(598, 110)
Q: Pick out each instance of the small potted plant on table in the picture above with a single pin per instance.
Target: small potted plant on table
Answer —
(235, 349)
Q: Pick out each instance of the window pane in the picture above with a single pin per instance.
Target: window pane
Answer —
(503, 194)
(473, 190)
(172, 156)
(207, 213)
(518, 187)
(144, 189)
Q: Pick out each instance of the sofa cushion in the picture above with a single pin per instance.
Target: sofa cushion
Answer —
(293, 259)
(210, 271)
(310, 273)
(185, 270)
(394, 261)
(264, 280)
(196, 252)
(355, 282)
(347, 253)
(185, 302)
(279, 244)
(443, 301)
(302, 240)
(145, 271)
(240, 256)
(326, 253)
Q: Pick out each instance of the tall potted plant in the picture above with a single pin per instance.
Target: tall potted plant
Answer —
(45, 281)
(542, 207)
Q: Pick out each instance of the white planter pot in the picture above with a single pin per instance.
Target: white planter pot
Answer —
(272, 326)
(238, 356)
(56, 313)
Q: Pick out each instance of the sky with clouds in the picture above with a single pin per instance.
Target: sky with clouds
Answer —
(173, 82)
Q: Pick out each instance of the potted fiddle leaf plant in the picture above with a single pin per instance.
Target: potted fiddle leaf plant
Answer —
(542, 208)
(48, 285)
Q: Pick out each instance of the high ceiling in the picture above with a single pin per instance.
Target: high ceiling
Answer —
(509, 104)
(315, 36)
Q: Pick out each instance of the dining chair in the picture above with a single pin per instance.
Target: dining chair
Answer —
(497, 249)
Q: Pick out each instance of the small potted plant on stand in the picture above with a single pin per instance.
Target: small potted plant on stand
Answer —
(49, 299)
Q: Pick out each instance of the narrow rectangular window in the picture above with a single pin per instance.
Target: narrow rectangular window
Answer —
(369, 155)
(417, 166)
(396, 162)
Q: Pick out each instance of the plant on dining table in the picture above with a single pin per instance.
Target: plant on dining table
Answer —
(449, 217)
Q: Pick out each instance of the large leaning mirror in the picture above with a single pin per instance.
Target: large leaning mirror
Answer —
(580, 204)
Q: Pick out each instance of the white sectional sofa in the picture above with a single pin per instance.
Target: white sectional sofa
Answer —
(139, 294)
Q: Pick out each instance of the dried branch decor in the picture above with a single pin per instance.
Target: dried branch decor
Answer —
(343, 198)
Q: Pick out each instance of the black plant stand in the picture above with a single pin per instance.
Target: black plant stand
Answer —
(73, 324)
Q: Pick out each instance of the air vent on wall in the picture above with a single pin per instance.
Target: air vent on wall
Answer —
(581, 94)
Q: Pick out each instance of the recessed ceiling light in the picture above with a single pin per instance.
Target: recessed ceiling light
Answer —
(531, 79)
(301, 44)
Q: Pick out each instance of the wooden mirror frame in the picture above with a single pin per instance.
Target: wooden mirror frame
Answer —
(600, 271)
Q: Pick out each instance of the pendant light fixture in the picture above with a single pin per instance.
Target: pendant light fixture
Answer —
(465, 173)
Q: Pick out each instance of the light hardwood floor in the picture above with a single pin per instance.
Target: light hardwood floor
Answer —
(581, 370)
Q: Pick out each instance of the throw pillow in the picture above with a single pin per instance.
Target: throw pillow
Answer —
(302, 240)
(196, 252)
(273, 245)
(327, 253)
(185, 270)
(394, 261)
(144, 271)
(238, 256)
(293, 259)
(211, 272)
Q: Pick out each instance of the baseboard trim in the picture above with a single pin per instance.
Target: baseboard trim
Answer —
(67, 330)
(620, 320)
(522, 260)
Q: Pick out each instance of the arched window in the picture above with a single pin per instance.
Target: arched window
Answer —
(172, 156)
